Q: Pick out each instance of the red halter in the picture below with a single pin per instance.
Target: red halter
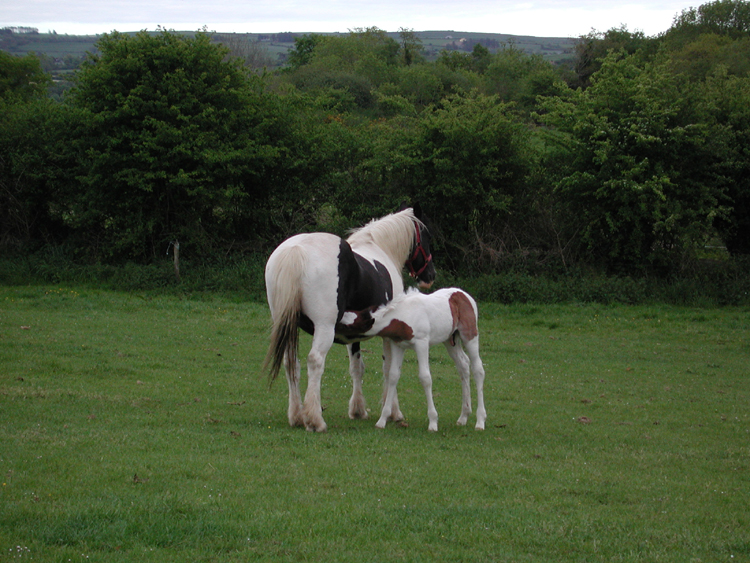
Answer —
(419, 249)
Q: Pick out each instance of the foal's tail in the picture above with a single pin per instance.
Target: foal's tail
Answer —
(284, 288)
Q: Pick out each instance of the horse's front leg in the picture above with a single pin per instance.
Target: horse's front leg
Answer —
(294, 412)
(357, 406)
(388, 346)
(391, 378)
(422, 348)
(312, 411)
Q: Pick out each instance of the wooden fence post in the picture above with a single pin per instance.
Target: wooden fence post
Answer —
(176, 254)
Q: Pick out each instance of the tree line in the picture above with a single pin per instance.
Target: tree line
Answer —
(632, 159)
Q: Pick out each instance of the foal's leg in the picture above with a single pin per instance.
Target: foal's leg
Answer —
(391, 381)
(422, 348)
(388, 346)
(462, 364)
(477, 368)
(357, 406)
(316, 359)
(294, 412)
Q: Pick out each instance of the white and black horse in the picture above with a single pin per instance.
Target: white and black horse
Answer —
(313, 278)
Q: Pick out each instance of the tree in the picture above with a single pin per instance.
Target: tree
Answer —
(34, 163)
(726, 100)
(37, 171)
(643, 179)
(22, 78)
(467, 162)
(699, 58)
(304, 49)
(721, 17)
(411, 46)
(178, 145)
(517, 77)
(591, 49)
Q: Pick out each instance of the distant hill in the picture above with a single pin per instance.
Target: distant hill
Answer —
(66, 47)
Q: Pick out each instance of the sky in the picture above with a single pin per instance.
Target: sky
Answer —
(542, 18)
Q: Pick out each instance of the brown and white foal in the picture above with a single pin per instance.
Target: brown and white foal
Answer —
(417, 321)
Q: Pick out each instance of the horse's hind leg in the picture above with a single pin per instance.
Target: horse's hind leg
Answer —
(316, 360)
(461, 360)
(477, 369)
(295, 399)
(357, 406)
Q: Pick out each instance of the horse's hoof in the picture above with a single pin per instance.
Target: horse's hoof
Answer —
(322, 427)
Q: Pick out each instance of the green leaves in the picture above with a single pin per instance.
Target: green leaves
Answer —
(163, 108)
(640, 180)
(22, 78)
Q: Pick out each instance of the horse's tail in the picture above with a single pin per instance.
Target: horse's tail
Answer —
(284, 286)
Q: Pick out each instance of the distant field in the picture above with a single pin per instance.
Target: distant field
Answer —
(138, 427)
(59, 49)
(433, 41)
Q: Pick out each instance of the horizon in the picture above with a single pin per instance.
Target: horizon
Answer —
(534, 18)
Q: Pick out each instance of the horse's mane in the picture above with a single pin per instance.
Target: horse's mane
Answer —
(394, 233)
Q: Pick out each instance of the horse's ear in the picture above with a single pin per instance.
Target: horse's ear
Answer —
(414, 206)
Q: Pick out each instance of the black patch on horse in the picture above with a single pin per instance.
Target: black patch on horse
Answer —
(362, 285)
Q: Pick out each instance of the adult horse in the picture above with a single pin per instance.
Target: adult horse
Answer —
(313, 278)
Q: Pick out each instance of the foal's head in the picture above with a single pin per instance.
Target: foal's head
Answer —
(420, 264)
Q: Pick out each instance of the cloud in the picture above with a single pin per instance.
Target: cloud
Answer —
(541, 18)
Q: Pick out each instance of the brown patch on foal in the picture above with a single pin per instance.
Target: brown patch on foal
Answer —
(397, 331)
(464, 318)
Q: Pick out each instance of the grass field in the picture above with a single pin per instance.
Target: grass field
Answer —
(137, 427)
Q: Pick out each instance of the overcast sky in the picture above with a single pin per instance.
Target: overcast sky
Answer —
(544, 18)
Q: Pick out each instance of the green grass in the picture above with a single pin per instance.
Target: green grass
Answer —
(138, 428)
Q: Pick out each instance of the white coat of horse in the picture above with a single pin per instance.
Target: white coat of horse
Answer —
(417, 321)
(313, 278)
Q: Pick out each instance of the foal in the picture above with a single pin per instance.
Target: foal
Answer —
(417, 321)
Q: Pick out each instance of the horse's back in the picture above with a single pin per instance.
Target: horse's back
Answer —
(447, 310)
(307, 263)
(314, 245)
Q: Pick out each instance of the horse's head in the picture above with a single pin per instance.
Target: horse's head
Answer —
(420, 263)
